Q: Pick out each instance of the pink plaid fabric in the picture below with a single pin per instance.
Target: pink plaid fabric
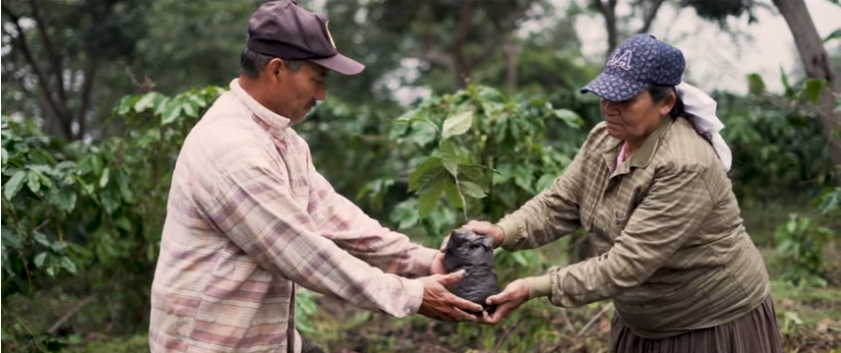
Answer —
(248, 218)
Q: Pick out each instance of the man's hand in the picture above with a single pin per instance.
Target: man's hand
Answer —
(440, 304)
(437, 267)
(487, 229)
(514, 295)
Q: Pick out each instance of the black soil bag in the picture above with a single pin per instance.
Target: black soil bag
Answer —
(474, 254)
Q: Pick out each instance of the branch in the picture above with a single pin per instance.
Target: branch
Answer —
(649, 15)
(436, 57)
(55, 60)
(87, 87)
(56, 326)
(504, 27)
(464, 24)
(24, 47)
(427, 38)
(593, 319)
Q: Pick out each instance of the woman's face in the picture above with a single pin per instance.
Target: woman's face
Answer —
(635, 118)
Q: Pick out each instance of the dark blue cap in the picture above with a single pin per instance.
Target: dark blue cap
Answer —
(640, 61)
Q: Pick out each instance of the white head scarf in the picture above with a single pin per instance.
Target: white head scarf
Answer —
(701, 109)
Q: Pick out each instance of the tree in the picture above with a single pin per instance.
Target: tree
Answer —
(55, 54)
(818, 65)
(456, 35)
(608, 10)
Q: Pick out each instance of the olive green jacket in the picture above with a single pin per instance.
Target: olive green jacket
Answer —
(674, 255)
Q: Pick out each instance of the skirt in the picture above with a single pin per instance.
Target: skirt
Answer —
(756, 332)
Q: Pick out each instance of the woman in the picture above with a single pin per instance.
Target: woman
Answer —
(650, 187)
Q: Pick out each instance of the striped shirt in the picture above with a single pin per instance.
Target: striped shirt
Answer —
(674, 255)
(248, 219)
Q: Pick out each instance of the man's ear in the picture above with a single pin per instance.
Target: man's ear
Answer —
(276, 70)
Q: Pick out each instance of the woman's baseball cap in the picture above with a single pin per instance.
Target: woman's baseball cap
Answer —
(641, 61)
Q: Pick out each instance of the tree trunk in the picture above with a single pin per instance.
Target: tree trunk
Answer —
(818, 66)
(512, 51)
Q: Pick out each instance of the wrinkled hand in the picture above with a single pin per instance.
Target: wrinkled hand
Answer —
(514, 295)
(437, 267)
(487, 229)
(440, 304)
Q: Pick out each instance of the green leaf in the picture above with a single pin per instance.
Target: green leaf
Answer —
(836, 34)
(68, 265)
(429, 199)
(103, 180)
(124, 184)
(14, 184)
(161, 106)
(39, 259)
(11, 239)
(125, 104)
(146, 101)
(755, 84)
(545, 181)
(63, 198)
(813, 89)
(198, 101)
(472, 189)
(523, 177)
(520, 258)
(41, 239)
(405, 214)
(33, 183)
(457, 124)
(171, 112)
(789, 91)
(427, 172)
(452, 157)
(5, 156)
(58, 246)
(451, 192)
(190, 109)
(569, 117)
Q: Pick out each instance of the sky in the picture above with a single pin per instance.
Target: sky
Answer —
(714, 60)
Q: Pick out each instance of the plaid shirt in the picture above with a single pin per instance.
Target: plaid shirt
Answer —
(674, 255)
(248, 218)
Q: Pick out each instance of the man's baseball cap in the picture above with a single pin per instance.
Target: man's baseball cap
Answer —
(641, 61)
(283, 29)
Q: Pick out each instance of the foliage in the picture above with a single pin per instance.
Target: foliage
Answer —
(800, 244)
(777, 149)
(478, 151)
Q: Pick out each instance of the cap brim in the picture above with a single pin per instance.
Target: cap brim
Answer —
(614, 88)
(340, 64)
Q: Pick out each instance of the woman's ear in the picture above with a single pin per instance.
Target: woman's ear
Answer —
(668, 104)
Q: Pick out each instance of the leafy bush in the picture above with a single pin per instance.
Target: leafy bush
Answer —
(800, 244)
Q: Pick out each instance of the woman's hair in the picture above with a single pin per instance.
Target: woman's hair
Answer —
(659, 95)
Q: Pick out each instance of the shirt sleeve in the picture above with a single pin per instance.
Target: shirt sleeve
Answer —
(665, 219)
(254, 208)
(548, 216)
(351, 229)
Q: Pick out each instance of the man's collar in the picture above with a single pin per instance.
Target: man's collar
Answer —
(277, 123)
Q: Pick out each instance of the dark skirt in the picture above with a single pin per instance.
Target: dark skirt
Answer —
(755, 332)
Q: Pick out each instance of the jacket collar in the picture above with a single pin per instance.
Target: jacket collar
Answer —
(276, 124)
(642, 157)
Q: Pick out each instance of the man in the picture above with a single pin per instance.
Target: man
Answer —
(249, 218)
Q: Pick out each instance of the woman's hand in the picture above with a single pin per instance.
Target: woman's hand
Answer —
(514, 295)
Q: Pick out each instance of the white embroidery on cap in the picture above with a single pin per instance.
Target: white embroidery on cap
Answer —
(623, 61)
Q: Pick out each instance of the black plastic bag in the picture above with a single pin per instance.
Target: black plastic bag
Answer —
(472, 253)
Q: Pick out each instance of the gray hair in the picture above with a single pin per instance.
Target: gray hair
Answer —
(252, 62)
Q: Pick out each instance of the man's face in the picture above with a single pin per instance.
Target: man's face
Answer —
(296, 93)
